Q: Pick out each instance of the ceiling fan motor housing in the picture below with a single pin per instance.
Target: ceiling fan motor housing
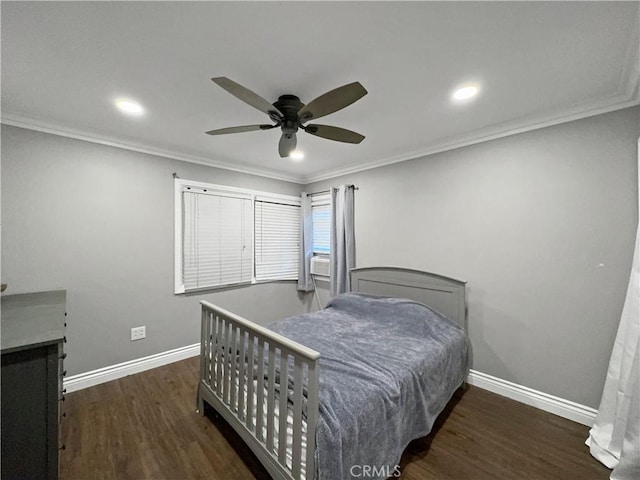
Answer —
(289, 105)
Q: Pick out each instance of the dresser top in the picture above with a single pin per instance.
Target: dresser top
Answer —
(31, 319)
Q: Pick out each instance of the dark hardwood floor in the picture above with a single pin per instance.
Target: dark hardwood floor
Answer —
(145, 427)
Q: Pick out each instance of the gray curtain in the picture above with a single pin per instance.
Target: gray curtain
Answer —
(343, 244)
(305, 282)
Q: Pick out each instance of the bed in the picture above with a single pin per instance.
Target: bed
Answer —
(366, 375)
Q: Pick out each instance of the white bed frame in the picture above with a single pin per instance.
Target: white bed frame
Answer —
(224, 331)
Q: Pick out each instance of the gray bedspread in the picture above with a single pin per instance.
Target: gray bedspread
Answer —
(388, 367)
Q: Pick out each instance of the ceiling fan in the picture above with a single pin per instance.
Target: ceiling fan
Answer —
(290, 114)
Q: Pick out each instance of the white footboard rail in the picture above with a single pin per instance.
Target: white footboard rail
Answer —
(272, 404)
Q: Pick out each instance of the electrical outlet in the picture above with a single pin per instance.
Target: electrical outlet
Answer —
(138, 333)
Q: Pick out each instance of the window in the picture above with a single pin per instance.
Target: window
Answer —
(321, 219)
(217, 240)
(277, 227)
(229, 236)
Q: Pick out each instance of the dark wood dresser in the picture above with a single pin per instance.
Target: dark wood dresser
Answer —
(32, 337)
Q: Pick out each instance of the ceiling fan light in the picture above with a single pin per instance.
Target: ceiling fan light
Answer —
(296, 155)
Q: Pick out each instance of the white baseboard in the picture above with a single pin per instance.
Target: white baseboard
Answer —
(558, 406)
(106, 374)
(549, 403)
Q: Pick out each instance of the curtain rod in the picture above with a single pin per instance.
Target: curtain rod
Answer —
(323, 192)
(175, 175)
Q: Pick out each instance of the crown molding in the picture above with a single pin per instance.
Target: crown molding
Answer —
(628, 95)
(618, 101)
(24, 121)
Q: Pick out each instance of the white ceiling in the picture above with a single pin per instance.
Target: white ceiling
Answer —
(538, 63)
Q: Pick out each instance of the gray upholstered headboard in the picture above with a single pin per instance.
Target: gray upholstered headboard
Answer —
(444, 294)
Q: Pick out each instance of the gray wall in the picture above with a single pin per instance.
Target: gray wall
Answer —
(527, 220)
(98, 221)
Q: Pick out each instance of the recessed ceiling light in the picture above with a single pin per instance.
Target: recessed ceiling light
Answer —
(129, 107)
(296, 155)
(465, 92)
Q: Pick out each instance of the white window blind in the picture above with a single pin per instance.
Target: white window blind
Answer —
(277, 239)
(228, 236)
(217, 240)
(321, 218)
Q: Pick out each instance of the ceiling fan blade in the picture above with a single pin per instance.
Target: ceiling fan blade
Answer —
(334, 133)
(332, 101)
(246, 95)
(287, 144)
(244, 128)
